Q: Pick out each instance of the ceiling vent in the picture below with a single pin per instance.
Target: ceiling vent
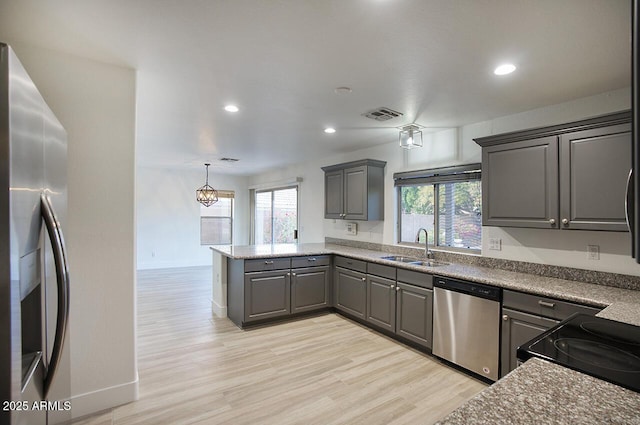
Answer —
(229, 159)
(382, 114)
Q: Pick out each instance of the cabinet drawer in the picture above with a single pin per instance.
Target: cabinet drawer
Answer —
(310, 261)
(544, 306)
(423, 280)
(267, 264)
(382, 271)
(350, 263)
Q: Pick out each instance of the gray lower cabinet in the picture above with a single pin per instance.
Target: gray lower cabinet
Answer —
(569, 177)
(381, 302)
(268, 288)
(310, 289)
(403, 308)
(518, 328)
(525, 316)
(267, 295)
(414, 313)
(351, 292)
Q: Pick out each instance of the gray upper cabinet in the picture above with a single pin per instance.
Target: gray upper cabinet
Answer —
(333, 194)
(355, 190)
(520, 184)
(570, 176)
(594, 166)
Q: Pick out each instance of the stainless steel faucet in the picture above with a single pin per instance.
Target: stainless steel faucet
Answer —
(427, 253)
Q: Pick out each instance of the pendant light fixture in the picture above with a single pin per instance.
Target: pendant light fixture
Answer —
(207, 195)
(410, 136)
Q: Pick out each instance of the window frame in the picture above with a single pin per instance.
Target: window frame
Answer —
(222, 194)
(254, 193)
(435, 177)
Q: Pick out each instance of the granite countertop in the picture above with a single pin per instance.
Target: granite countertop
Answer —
(619, 304)
(540, 392)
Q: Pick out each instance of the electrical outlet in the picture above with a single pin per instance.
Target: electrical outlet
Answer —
(495, 244)
(352, 229)
(593, 252)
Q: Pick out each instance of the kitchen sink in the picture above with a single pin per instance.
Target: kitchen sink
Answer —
(429, 263)
(415, 261)
(400, 259)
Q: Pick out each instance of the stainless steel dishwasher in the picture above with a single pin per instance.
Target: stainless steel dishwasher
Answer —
(466, 325)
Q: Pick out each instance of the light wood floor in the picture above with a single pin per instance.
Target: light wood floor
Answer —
(195, 369)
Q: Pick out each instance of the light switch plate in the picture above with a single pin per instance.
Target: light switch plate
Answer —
(495, 244)
(352, 229)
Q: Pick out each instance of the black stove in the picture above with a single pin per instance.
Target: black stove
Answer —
(599, 347)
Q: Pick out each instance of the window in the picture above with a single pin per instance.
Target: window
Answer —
(216, 221)
(275, 218)
(447, 202)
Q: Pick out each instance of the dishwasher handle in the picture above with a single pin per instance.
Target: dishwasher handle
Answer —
(470, 288)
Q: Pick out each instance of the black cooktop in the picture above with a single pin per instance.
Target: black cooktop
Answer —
(599, 347)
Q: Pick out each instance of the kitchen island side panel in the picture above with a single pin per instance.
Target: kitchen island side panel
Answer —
(235, 291)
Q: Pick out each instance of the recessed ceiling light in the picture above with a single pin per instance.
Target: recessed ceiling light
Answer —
(504, 69)
(329, 130)
(231, 108)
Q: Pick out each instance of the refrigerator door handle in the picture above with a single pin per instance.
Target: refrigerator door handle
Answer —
(62, 280)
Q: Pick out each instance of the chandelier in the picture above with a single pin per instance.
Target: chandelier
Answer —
(207, 195)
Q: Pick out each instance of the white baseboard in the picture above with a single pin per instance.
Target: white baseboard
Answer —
(103, 399)
(218, 310)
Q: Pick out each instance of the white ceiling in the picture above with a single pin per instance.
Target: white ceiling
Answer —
(280, 61)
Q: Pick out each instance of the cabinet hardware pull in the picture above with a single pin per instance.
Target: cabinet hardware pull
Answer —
(565, 221)
(552, 221)
(288, 274)
(546, 304)
(268, 262)
(311, 259)
(505, 317)
(364, 278)
(293, 274)
(397, 288)
(392, 286)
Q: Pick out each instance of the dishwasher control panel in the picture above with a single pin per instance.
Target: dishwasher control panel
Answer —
(471, 288)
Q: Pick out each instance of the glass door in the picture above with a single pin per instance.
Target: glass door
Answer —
(276, 216)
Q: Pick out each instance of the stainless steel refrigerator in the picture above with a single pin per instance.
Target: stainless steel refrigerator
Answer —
(34, 278)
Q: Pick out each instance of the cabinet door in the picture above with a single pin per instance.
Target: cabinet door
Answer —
(381, 302)
(309, 289)
(267, 294)
(520, 184)
(414, 312)
(351, 292)
(518, 328)
(594, 166)
(355, 193)
(333, 194)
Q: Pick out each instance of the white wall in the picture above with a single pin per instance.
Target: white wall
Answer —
(456, 146)
(96, 104)
(168, 216)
